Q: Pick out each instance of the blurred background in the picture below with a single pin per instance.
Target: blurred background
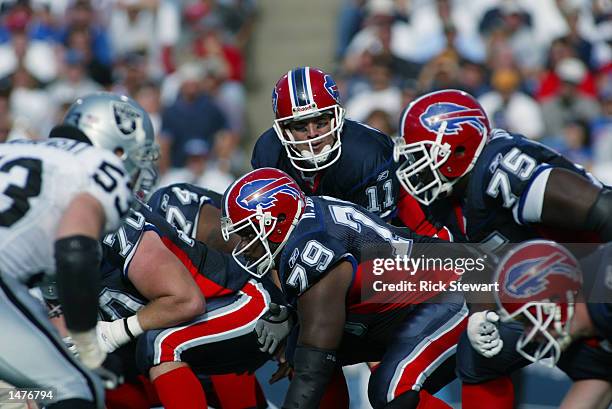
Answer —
(205, 69)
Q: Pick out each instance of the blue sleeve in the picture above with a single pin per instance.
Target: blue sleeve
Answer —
(307, 259)
(119, 247)
(267, 151)
(368, 153)
(179, 204)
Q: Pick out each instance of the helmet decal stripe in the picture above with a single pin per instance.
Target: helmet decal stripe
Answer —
(308, 84)
(291, 88)
(299, 91)
(267, 188)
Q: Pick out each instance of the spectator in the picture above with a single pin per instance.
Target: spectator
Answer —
(86, 35)
(511, 109)
(73, 82)
(550, 83)
(381, 120)
(440, 73)
(209, 44)
(577, 143)
(193, 113)
(31, 106)
(37, 56)
(601, 129)
(473, 78)
(130, 73)
(570, 102)
(197, 170)
(383, 95)
(148, 96)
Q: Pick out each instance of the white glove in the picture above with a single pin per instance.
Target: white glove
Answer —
(483, 333)
(90, 351)
(273, 327)
(113, 334)
(107, 367)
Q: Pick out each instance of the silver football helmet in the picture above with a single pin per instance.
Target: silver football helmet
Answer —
(119, 124)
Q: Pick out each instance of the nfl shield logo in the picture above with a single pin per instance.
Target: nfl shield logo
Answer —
(126, 117)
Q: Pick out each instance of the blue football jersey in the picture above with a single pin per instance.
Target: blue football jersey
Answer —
(364, 174)
(597, 288)
(494, 200)
(216, 274)
(180, 205)
(332, 231)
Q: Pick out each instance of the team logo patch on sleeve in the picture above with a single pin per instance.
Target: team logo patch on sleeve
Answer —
(455, 116)
(263, 192)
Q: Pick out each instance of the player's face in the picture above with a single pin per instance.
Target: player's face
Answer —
(312, 128)
(255, 249)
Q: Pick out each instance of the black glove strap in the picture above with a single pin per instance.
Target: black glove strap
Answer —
(313, 369)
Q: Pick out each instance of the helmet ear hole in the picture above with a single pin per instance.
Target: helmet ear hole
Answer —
(459, 151)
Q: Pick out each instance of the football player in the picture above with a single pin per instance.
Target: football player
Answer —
(318, 245)
(196, 211)
(494, 188)
(136, 283)
(58, 197)
(560, 301)
(328, 154)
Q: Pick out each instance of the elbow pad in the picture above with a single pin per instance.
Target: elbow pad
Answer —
(77, 263)
(313, 368)
(599, 218)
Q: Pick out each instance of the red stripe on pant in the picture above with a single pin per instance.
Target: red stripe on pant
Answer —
(427, 356)
(242, 316)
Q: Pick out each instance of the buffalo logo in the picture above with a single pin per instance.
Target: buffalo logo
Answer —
(263, 192)
(126, 117)
(455, 117)
(332, 88)
(529, 277)
(274, 100)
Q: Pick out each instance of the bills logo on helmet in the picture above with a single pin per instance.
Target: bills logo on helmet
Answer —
(274, 100)
(530, 277)
(126, 117)
(455, 116)
(263, 192)
(332, 88)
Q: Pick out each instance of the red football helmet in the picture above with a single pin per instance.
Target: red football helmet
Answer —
(263, 207)
(538, 282)
(301, 94)
(442, 134)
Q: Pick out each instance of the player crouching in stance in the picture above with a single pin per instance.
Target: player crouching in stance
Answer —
(59, 197)
(560, 302)
(317, 245)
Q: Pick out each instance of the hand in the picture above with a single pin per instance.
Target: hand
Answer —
(111, 335)
(483, 333)
(284, 369)
(273, 327)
